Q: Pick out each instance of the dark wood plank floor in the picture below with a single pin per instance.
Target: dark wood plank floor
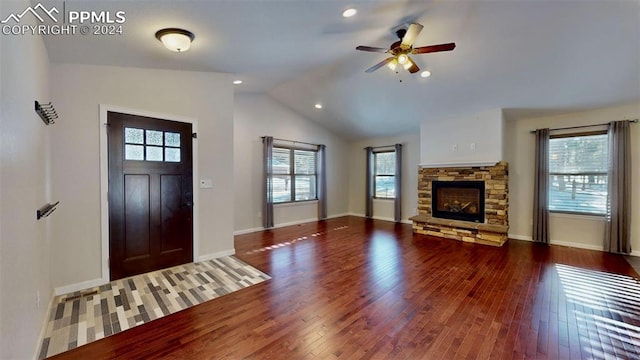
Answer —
(351, 288)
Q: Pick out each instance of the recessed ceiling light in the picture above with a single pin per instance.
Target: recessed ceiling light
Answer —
(349, 12)
(237, 82)
(318, 106)
(425, 74)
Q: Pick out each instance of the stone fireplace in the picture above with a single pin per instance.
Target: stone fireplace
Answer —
(468, 203)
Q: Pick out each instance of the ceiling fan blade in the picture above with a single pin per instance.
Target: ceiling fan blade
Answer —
(411, 35)
(371, 49)
(414, 67)
(379, 65)
(433, 48)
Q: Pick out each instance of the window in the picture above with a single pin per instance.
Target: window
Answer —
(151, 145)
(578, 173)
(294, 175)
(384, 179)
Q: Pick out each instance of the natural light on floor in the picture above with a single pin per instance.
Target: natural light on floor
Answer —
(606, 308)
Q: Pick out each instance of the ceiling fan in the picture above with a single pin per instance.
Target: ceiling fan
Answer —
(401, 49)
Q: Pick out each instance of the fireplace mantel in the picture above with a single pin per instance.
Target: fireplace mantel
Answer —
(459, 164)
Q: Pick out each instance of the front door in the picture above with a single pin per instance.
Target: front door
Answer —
(150, 194)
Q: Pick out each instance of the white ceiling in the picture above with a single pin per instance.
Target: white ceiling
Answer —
(530, 57)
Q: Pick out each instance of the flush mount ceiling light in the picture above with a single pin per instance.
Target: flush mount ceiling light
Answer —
(318, 106)
(174, 39)
(425, 74)
(349, 12)
(237, 82)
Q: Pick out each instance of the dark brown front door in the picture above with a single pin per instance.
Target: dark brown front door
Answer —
(150, 194)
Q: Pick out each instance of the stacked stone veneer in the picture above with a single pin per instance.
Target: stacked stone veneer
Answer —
(495, 228)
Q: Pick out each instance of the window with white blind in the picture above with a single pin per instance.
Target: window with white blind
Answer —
(578, 173)
(294, 175)
(384, 175)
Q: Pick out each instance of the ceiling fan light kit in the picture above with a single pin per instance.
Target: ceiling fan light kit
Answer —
(401, 49)
(174, 39)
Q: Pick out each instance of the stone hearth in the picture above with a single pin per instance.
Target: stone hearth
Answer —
(494, 229)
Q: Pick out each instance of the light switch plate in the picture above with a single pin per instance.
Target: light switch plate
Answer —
(206, 183)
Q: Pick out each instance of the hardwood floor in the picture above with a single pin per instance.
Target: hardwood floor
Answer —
(351, 288)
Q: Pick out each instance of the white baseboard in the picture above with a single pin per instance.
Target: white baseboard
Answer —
(560, 243)
(216, 255)
(43, 328)
(291, 223)
(519, 237)
(78, 286)
(383, 218)
(247, 231)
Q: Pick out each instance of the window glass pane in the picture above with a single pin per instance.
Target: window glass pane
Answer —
(305, 187)
(172, 139)
(133, 152)
(154, 137)
(281, 188)
(305, 162)
(154, 153)
(578, 193)
(172, 154)
(385, 186)
(578, 174)
(578, 154)
(280, 161)
(133, 136)
(385, 163)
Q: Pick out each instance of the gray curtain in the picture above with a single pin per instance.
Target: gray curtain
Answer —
(541, 188)
(617, 237)
(322, 182)
(397, 203)
(369, 185)
(267, 173)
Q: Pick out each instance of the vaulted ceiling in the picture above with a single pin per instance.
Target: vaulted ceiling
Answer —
(525, 56)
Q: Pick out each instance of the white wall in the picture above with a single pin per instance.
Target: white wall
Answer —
(24, 187)
(78, 91)
(578, 231)
(476, 138)
(384, 209)
(258, 115)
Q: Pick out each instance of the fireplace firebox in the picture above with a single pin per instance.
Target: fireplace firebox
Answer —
(458, 200)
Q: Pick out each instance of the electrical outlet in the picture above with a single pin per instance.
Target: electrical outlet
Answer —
(473, 146)
(454, 147)
(38, 299)
(259, 214)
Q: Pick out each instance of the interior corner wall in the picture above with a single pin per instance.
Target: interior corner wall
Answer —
(472, 138)
(258, 115)
(572, 230)
(382, 208)
(24, 187)
(78, 91)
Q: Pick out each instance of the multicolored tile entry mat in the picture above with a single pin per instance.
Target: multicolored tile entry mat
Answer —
(89, 315)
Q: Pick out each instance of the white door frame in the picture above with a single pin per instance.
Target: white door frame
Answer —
(104, 178)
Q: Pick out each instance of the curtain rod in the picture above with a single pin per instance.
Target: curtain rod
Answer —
(378, 147)
(293, 141)
(582, 126)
